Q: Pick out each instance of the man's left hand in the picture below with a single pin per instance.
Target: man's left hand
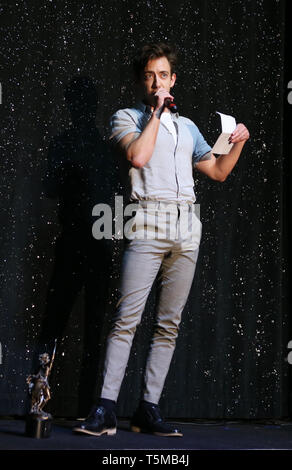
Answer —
(239, 134)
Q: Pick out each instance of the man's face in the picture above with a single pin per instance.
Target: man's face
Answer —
(156, 74)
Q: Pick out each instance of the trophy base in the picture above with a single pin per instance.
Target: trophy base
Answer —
(38, 426)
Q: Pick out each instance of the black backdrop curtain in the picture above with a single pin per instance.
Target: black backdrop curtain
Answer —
(230, 361)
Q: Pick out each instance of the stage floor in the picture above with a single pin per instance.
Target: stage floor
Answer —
(198, 435)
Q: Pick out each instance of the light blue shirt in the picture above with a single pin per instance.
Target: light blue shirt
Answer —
(168, 175)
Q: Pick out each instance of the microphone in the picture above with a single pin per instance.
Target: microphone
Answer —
(170, 105)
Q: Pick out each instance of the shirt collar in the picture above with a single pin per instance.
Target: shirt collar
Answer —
(145, 108)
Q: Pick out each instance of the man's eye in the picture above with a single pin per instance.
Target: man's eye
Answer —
(164, 75)
(147, 76)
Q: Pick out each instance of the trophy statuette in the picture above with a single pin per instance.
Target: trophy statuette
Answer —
(38, 422)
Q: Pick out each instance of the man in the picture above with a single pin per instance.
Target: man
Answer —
(161, 149)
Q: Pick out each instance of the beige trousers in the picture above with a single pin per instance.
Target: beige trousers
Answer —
(174, 261)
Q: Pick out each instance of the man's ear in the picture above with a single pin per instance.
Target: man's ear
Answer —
(173, 79)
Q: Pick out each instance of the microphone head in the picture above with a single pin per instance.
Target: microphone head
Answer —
(170, 105)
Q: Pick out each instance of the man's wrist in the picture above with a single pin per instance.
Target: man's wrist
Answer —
(157, 113)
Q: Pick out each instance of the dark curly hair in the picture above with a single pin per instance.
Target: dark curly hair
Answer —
(154, 51)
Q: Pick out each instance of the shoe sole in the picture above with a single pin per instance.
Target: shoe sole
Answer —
(109, 432)
(169, 434)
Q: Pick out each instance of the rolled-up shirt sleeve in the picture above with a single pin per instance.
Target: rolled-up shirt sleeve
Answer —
(200, 146)
(121, 124)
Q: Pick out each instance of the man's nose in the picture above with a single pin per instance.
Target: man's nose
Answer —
(156, 82)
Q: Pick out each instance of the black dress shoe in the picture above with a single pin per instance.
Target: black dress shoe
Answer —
(148, 419)
(100, 421)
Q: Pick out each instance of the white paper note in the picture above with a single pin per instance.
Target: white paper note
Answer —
(222, 145)
(228, 123)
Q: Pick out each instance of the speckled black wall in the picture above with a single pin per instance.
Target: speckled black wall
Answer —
(230, 356)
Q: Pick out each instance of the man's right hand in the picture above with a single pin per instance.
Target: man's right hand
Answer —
(161, 95)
